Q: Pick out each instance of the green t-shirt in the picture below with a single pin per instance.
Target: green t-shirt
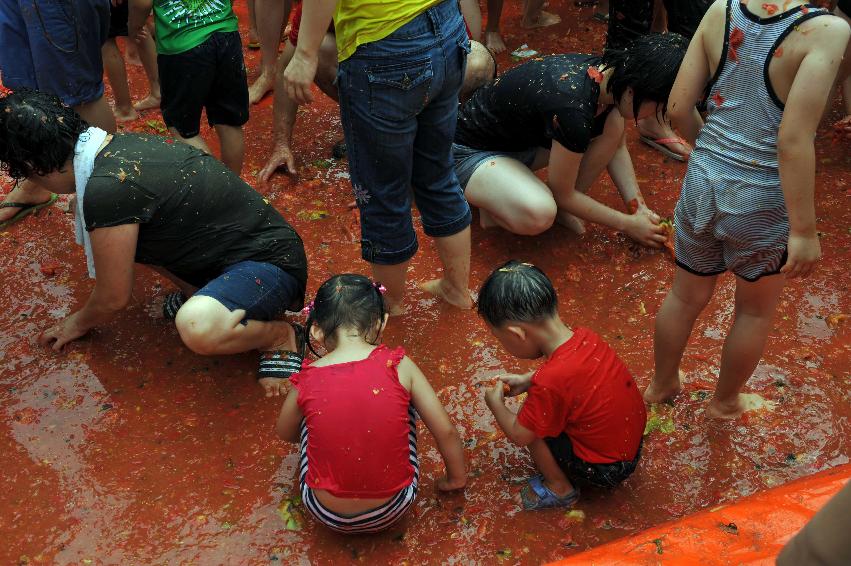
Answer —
(184, 24)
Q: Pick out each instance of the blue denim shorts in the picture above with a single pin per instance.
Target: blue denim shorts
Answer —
(468, 159)
(262, 290)
(54, 46)
(398, 104)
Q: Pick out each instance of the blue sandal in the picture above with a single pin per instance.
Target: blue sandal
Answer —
(545, 499)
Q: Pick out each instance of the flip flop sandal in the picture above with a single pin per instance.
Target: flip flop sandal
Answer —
(545, 499)
(254, 45)
(600, 17)
(172, 304)
(282, 364)
(26, 209)
(659, 145)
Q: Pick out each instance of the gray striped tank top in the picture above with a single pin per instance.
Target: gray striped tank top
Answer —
(738, 143)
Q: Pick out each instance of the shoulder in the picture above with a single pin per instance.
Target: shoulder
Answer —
(829, 33)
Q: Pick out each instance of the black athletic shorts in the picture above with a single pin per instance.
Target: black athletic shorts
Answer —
(211, 76)
(118, 19)
(575, 468)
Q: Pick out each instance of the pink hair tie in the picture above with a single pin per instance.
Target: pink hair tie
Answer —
(307, 309)
(381, 288)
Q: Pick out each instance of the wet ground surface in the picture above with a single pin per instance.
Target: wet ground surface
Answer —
(128, 448)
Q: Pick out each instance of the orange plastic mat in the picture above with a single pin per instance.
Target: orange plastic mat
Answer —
(751, 531)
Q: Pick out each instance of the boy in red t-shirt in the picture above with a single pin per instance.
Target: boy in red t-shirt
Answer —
(584, 417)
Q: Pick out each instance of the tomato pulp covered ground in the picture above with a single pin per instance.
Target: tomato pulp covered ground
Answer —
(128, 448)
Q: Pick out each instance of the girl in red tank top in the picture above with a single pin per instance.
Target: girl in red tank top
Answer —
(354, 411)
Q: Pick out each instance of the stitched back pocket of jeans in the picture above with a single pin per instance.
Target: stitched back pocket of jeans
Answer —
(399, 92)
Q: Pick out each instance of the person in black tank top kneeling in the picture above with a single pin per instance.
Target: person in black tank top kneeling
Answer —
(564, 112)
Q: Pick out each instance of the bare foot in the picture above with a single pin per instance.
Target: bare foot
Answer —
(264, 84)
(150, 102)
(24, 193)
(656, 393)
(572, 223)
(725, 410)
(441, 289)
(494, 42)
(125, 115)
(542, 20)
(655, 130)
(253, 39)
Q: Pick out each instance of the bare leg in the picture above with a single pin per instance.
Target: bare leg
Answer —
(674, 322)
(195, 141)
(207, 327)
(270, 18)
(253, 38)
(97, 113)
(509, 195)
(554, 478)
(116, 72)
(493, 39)
(393, 278)
(233, 146)
(131, 54)
(473, 16)
(534, 15)
(148, 55)
(453, 287)
(755, 306)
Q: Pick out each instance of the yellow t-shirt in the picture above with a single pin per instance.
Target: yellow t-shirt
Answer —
(363, 21)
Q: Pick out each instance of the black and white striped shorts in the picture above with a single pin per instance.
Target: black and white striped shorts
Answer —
(371, 521)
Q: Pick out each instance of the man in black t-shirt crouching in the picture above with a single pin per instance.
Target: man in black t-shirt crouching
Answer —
(144, 199)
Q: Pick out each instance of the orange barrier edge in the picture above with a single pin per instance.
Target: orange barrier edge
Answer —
(751, 530)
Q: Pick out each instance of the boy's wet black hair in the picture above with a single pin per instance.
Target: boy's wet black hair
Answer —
(649, 64)
(517, 292)
(347, 300)
(37, 133)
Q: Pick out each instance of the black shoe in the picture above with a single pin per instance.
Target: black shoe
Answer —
(339, 150)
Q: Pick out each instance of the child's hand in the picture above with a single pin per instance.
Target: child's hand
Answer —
(495, 395)
(804, 252)
(517, 384)
(447, 484)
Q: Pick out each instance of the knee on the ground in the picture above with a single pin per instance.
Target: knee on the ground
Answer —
(202, 324)
(534, 217)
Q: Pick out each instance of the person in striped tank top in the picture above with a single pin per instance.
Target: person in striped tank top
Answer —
(747, 198)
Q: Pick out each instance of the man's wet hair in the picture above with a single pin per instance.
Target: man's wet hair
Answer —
(649, 64)
(37, 133)
(517, 292)
(348, 300)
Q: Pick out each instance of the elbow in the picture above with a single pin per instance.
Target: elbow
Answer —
(791, 144)
(448, 436)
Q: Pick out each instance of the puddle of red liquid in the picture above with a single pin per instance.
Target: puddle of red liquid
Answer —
(128, 448)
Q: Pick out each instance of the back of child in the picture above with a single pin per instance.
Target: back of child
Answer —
(354, 412)
(747, 201)
(583, 418)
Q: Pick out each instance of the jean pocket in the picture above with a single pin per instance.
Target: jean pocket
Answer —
(399, 92)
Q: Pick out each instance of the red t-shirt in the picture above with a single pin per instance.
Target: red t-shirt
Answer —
(586, 391)
(357, 426)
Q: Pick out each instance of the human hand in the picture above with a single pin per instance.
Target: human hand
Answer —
(451, 484)
(803, 253)
(274, 386)
(643, 227)
(299, 76)
(517, 384)
(495, 395)
(60, 334)
(282, 156)
(141, 34)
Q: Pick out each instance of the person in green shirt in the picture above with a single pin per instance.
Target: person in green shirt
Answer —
(201, 67)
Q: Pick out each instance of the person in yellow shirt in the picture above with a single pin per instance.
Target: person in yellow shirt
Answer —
(401, 66)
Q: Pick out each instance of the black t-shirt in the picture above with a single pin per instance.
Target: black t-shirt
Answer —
(195, 215)
(545, 99)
